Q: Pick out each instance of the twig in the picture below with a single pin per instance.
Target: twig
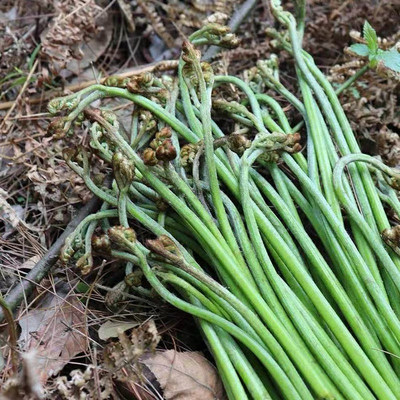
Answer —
(160, 65)
(237, 18)
(38, 272)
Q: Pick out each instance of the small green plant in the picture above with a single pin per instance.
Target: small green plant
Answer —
(389, 58)
(18, 77)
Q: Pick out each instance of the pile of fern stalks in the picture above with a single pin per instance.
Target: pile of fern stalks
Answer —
(286, 258)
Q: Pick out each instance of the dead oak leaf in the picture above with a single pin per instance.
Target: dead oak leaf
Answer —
(185, 375)
(57, 330)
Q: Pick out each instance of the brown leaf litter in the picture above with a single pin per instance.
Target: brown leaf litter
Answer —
(185, 375)
(74, 23)
(56, 329)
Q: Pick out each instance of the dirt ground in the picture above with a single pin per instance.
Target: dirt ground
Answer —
(49, 48)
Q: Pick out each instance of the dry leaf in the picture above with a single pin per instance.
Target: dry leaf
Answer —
(74, 23)
(93, 49)
(112, 329)
(81, 384)
(12, 215)
(30, 262)
(54, 183)
(57, 330)
(130, 348)
(25, 384)
(185, 375)
(10, 15)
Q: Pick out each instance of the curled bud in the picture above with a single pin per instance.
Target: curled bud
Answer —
(208, 72)
(123, 237)
(391, 236)
(79, 119)
(55, 105)
(168, 81)
(146, 78)
(77, 242)
(168, 244)
(216, 29)
(188, 154)
(294, 149)
(276, 143)
(238, 143)
(101, 244)
(151, 124)
(140, 83)
(75, 154)
(66, 253)
(59, 127)
(71, 246)
(124, 170)
(189, 53)
(190, 75)
(116, 81)
(229, 41)
(164, 133)
(85, 264)
(110, 117)
(163, 245)
(162, 95)
(147, 121)
(63, 103)
(216, 34)
(293, 138)
(134, 278)
(270, 157)
(166, 151)
(291, 144)
(149, 157)
(267, 68)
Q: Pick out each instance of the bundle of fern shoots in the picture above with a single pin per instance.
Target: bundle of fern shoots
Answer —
(276, 238)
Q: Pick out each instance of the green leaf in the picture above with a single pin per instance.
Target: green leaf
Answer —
(391, 59)
(9, 76)
(370, 37)
(17, 82)
(82, 287)
(32, 58)
(360, 49)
